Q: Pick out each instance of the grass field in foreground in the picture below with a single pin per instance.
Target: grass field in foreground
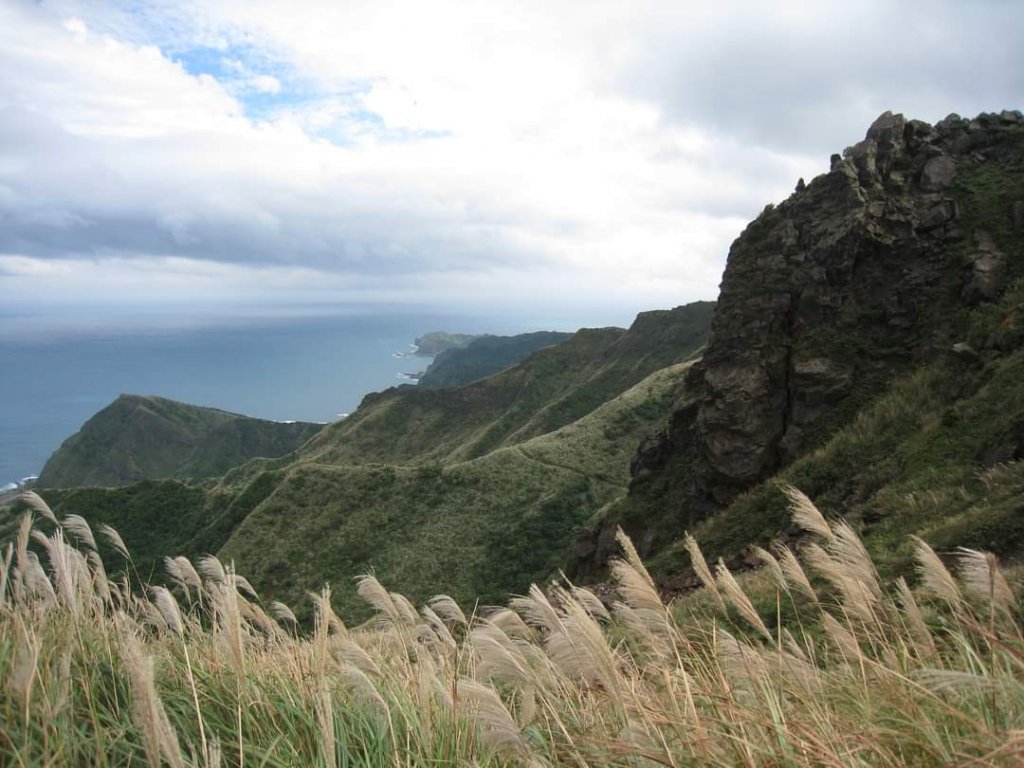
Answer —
(809, 661)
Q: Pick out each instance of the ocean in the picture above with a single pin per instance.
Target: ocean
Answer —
(56, 372)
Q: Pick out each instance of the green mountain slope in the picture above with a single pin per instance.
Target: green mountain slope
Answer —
(141, 438)
(484, 356)
(552, 388)
(480, 527)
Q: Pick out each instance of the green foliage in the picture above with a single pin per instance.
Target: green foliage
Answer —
(483, 356)
(151, 438)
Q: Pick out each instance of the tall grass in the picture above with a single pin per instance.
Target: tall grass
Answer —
(819, 665)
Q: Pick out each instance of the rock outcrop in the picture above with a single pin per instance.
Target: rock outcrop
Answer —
(861, 274)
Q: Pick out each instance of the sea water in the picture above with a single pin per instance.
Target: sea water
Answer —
(56, 372)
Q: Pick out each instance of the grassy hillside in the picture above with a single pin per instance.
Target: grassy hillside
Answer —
(150, 438)
(484, 356)
(551, 388)
(482, 527)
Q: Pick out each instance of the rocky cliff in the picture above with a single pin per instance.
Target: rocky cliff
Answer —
(865, 272)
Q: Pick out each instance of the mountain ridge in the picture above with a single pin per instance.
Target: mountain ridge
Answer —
(145, 437)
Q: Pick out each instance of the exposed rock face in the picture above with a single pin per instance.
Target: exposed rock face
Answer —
(825, 297)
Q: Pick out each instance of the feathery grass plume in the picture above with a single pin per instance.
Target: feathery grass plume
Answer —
(582, 650)
(22, 674)
(537, 611)
(373, 592)
(734, 594)
(77, 525)
(921, 636)
(848, 550)
(935, 578)
(739, 660)
(405, 608)
(35, 580)
(634, 588)
(511, 623)
(499, 659)
(211, 568)
(260, 620)
(114, 539)
(168, 607)
(229, 622)
(173, 571)
(493, 722)
(768, 561)
(353, 654)
(282, 612)
(242, 585)
(448, 610)
(982, 578)
(842, 637)
(21, 552)
(158, 735)
(150, 615)
(591, 602)
(805, 514)
(62, 567)
(325, 612)
(632, 557)
(856, 596)
(35, 501)
(99, 576)
(439, 627)
(794, 572)
(189, 575)
(700, 567)
(356, 681)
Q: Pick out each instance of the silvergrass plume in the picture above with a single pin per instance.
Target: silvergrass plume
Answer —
(700, 567)
(805, 514)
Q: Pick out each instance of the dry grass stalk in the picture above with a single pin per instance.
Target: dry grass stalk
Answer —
(495, 725)
(921, 636)
(734, 594)
(77, 525)
(805, 514)
(983, 579)
(35, 501)
(700, 567)
(935, 578)
(114, 539)
(158, 736)
(371, 590)
(772, 565)
(448, 610)
(794, 572)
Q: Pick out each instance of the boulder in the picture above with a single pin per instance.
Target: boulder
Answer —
(938, 173)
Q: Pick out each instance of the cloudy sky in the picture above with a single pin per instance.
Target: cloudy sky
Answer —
(486, 155)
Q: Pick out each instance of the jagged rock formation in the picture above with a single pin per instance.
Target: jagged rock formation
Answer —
(858, 276)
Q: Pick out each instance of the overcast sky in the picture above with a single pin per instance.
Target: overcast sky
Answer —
(472, 154)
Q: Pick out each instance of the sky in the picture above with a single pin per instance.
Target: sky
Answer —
(600, 156)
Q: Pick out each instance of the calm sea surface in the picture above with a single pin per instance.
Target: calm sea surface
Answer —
(56, 373)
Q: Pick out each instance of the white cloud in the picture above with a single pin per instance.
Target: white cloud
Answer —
(511, 152)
